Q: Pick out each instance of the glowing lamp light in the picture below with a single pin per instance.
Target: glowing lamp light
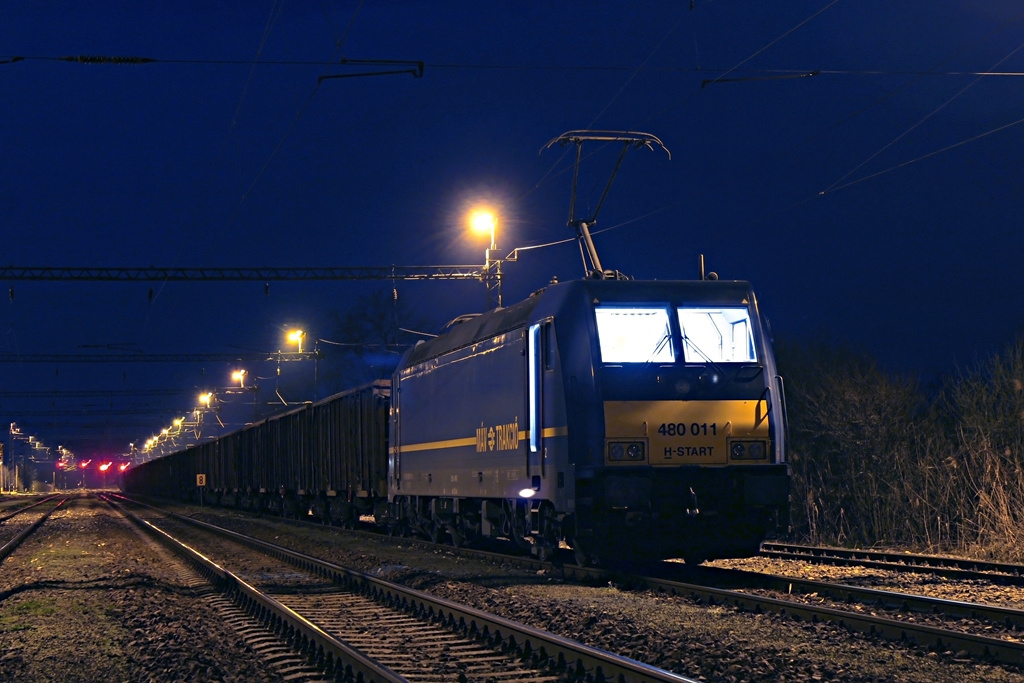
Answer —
(527, 493)
(206, 398)
(123, 466)
(105, 466)
(483, 221)
(296, 337)
(239, 376)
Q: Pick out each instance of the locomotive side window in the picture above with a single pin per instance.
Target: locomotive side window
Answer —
(717, 335)
(634, 334)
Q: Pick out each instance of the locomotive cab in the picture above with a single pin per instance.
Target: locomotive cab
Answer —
(690, 459)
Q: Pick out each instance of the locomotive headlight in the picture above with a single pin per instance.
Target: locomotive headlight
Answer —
(756, 450)
(753, 449)
(627, 451)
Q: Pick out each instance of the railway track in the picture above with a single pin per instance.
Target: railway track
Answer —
(17, 525)
(986, 632)
(948, 567)
(85, 596)
(370, 628)
(964, 629)
(1003, 618)
(889, 615)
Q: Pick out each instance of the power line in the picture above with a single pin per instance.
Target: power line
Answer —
(255, 357)
(416, 68)
(97, 413)
(86, 393)
(242, 274)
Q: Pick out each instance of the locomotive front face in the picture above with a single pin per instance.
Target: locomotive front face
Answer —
(691, 457)
(687, 416)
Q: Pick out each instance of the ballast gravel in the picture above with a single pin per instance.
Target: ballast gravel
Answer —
(87, 599)
(695, 640)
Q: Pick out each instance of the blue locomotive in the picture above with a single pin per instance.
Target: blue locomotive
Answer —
(625, 419)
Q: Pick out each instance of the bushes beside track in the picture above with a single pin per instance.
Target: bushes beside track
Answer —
(879, 460)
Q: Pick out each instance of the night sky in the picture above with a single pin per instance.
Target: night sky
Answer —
(859, 163)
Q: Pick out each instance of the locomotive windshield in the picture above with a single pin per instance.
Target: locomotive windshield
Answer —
(643, 334)
(717, 335)
(634, 335)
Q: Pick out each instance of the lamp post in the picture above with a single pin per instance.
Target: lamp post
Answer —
(483, 220)
(296, 337)
(239, 376)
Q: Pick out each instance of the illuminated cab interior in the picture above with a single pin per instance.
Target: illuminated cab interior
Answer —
(643, 334)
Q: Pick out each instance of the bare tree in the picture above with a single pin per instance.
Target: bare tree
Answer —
(863, 450)
(366, 340)
(986, 405)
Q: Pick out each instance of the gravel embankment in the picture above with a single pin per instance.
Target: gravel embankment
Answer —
(86, 599)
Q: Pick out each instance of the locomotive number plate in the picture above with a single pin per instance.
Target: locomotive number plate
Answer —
(685, 432)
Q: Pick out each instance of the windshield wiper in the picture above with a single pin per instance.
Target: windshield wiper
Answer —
(707, 359)
(658, 348)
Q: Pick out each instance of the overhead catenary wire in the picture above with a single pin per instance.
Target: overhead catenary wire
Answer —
(933, 112)
(420, 66)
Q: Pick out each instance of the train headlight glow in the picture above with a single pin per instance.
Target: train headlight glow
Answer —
(627, 451)
(527, 493)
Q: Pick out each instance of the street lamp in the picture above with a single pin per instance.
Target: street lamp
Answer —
(483, 220)
(296, 337)
(239, 376)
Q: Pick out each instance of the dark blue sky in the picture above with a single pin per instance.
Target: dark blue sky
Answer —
(877, 200)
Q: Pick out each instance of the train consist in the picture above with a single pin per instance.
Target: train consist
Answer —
(624, 419)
